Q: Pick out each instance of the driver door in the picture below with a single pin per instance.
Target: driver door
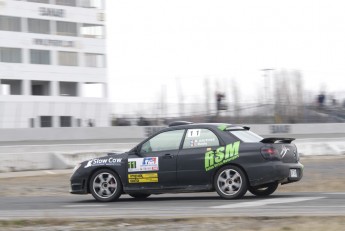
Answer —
(155, 164)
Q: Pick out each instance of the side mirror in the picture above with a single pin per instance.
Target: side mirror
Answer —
(137, 150)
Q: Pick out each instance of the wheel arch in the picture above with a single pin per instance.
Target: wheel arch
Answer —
(230, 164)
(97, 169)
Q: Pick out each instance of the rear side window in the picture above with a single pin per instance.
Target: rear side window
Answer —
(197, 138)
(247, 136)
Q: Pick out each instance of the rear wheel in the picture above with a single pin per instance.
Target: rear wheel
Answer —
(105, 185)
(139, 195)
(230, 182)
(264, 190)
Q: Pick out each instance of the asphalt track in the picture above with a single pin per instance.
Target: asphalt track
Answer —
(174, 205)
(167, 205)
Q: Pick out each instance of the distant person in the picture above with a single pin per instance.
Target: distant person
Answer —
(321, 99)
(219, 98)
(90, 123)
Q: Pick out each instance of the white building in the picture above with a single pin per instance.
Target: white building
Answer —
(52, 64)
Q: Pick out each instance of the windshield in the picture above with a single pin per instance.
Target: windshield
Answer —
(247, 136)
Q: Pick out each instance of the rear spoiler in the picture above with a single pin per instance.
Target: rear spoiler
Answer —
(280, 140)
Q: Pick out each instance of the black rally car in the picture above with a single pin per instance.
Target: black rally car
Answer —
(188, 157)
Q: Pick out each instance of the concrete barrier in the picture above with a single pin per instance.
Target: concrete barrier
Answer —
(137, 132)
(25, 161)
(87, 133)
(62, 156)
(300, 129)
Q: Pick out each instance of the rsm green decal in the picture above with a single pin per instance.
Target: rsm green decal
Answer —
(221, 156)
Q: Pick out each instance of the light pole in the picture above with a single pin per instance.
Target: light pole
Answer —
(267, 83)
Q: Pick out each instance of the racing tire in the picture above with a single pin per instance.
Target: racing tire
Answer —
(105, 185)
(264, 191)
(230, 182)
(139, 195)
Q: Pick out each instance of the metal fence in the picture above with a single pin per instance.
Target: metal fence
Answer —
(100, 114)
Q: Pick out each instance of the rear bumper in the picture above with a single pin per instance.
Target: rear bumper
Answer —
(274, 171)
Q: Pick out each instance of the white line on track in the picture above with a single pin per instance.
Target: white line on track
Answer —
(82, 206)
(335, 193)
(266, 202)
(50, 172)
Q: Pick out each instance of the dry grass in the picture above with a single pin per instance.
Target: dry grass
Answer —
(215, 223)
(321, 174)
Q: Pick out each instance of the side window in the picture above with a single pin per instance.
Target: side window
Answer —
(197, 138)
(170, 140)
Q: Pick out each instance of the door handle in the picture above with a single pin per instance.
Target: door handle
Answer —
(168, 156)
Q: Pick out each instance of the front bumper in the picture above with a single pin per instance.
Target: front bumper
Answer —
(78, 185)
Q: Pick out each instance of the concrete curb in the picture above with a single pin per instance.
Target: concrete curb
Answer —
(35, 173)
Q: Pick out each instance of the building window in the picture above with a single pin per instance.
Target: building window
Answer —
(99, 4)
(40, 88)
(39, 26)
(46, 121)
(68, 58)
(66, 28)
(40, 57)
(65, 121)
(68, 88)
(9, 23)
(94, 60)
(39, 1)
(10, 55)
(66, 2)
(93, 90)
(11, 86)
(92, 31)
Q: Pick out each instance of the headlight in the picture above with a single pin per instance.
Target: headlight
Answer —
(76, 168)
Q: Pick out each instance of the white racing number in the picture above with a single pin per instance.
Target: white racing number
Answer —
(193, 133)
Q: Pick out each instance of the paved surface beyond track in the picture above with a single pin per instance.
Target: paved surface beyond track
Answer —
(135, 141)
(174, 205)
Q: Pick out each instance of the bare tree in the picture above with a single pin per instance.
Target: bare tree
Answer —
(180, 97)
(207, 95)
(236, 99)
(288, 96)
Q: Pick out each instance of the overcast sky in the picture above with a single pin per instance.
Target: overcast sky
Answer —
(152, 43)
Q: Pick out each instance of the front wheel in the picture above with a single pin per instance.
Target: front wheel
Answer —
(265, 190)
(230, 182)
(105, 185)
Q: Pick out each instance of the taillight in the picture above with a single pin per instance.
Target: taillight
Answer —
(270, 153)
